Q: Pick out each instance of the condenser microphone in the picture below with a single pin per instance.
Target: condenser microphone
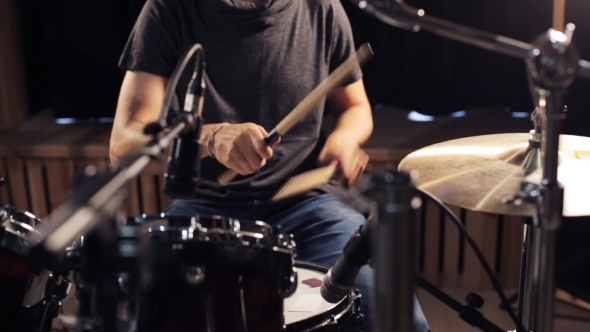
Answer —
(182, 175)
(340, 278)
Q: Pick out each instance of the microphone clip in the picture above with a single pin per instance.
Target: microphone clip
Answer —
(182, 176)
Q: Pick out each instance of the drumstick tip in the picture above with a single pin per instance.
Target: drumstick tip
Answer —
(365, 52)
(227, 177)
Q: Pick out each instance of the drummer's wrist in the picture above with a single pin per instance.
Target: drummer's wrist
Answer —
(207, 140)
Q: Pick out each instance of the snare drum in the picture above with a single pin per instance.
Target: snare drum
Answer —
(213, 273)
(27, 303)
(306, 310)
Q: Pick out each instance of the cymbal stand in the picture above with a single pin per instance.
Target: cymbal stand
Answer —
(525, 292)
(533, 161)
(552, 67)
(552, 63)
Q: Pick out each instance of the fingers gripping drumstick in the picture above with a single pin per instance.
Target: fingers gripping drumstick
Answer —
(363, 54)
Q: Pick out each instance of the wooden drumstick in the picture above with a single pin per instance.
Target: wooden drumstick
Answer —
(559, 15)
(305, 181)
(363, 54)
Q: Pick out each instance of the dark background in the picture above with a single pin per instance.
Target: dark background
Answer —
(72, 48)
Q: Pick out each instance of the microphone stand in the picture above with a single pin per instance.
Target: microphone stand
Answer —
(401, 15)
(91, 209)
(392, 249)
(102, 196)
(99, 200)
(552, 63)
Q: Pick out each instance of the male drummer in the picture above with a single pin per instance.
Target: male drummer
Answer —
(263, 58)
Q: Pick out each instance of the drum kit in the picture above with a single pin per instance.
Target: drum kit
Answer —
(215, 273)
(203, 273)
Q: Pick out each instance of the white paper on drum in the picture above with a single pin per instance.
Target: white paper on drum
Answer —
(307, 303)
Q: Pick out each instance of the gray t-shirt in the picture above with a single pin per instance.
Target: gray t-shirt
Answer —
(262, 60)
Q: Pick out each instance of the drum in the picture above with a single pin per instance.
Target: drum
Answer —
(306, 310)
(213, 273)
(28, 302)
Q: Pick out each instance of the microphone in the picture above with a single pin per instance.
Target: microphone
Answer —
(182, 176)
(340, 278)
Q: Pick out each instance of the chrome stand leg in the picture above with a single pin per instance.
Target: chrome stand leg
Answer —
(526, 295)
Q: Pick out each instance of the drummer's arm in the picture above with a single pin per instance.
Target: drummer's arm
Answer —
(140, 102)
(352, 112)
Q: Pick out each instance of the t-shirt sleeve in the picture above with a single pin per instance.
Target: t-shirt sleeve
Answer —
(343, 46)
(153, 45)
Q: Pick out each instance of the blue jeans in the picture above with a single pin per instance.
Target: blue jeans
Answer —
(321, 226)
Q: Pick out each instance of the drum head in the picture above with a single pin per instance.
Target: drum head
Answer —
(306, 309)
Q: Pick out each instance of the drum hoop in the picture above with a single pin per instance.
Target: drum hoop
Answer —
(225, 229)
(195, 221)
(13, 228)
(341, 308)
(23, 225)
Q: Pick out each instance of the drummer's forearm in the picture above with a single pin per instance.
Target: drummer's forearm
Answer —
(352, 111)
(355, 122)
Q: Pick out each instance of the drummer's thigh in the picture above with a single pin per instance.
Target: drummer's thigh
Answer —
(321, 226)
(206, 207)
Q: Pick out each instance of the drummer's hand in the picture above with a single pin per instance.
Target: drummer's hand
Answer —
(241, 147)
(345, 151)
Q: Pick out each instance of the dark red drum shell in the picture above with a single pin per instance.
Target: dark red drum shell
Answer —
(175, 306)
(15, 275)
(14, 266)
(245, 263)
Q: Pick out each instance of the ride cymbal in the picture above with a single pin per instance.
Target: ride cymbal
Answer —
(479, 173)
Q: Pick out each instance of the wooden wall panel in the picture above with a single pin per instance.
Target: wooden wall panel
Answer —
(36, 188)
(483, 228)
(149, 195)
(451, 256)
(4, 188)
(511, 250)
(132, 206)
(18, 184)
(431, 243)
(163, 197)
(13, 101)
(59, 180)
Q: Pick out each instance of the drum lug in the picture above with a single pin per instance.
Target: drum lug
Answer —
(62, 289)
(356, 322)
(58, 291)
(287, 284)
(53, 308)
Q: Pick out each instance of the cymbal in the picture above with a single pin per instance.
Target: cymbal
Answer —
(478, 173)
